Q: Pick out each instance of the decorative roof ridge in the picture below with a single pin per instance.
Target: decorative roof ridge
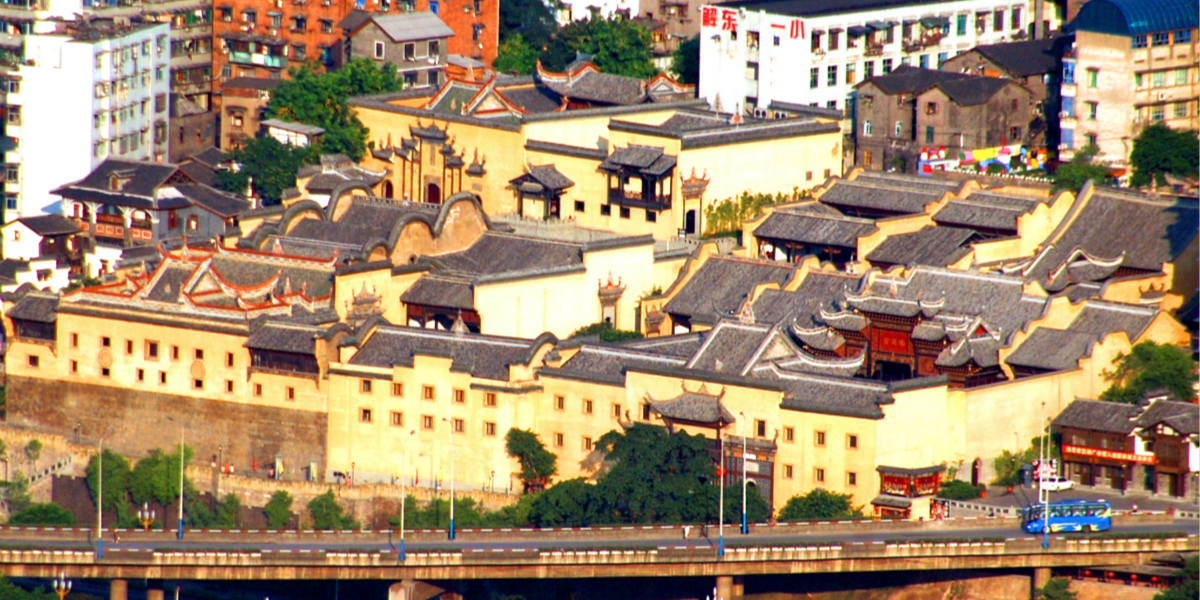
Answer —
(624, 351)
(474, 338)
(838, 381)
(821, 361)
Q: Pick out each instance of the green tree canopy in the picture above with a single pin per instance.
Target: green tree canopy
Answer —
(958, 490)
(278, 509)
(328, 514)
(616, 45)
(267, 166)
(819, 505)
(1159, 150)
(570, 503)
(1056, 589)
(537, 463)
(1188, 587)
(515, 55)
(530, 19)
(116, 483)
(46, 514)
(1147, 367)
(11, 591)
(1072, 175)
(155, 477)
(685, 61)
(33, 450)
(320, 99)
(17, 495)
(1007, 465)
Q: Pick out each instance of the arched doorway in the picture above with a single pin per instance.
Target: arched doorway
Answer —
(433, 193)
(389, 191)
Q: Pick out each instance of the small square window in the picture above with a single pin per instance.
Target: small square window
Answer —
(199, 354)
(587, 444)
(459, 425)
(789, 434)
(364, 415)
(851, 478)
(397, 419)
(605, 210)
(104, 371)
(489, 399)
(258, 389)
(819, 475)
(560, 403)
(426, 421)
(819, 438)
(290, 393)
(760, 428)
(228, 385)
(33, 360)
(624, 212)
(427, 392)
(651, 216)
(460, 396)
(558, 440)
(587, 407)
(106, 341)
(851, 441)
(579, 206)
(489, 429)
(198, 384)
(162, 377)
(397, 389)
(365, 386)
(174, 352)
(141, 375)
(616, 411)
(787, 471)
(229, 359)
(151, 349)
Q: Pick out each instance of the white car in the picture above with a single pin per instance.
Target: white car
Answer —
(1054, 483)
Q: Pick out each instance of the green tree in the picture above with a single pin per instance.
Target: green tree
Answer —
(11, 591)
(958, 490)
(606, 332)
(1072, 175)
(530, 19)
(537, 463)
(227, 514)
(569, 503)
(116, 484)
(1188, 587)
(320, 99)
(1147, 367)
(819, 505)
(685, 61)
(1056, 589)
(4, 457)
(278, 510)
(46, 514)
(727, 215)
(328, 514)
(33, 450)
(515, 55)
(616, 45)
(1159, 150)
(267, 166)
(17, 495)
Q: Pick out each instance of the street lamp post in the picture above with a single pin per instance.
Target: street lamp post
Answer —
(179, 533)
(721, 496)
(1042, 491)
(745, 528)
(100, 495)
(400, 554)
(145, 515)
(61, 586)
(450, 440)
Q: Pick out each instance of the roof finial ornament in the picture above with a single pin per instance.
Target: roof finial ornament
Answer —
(459, 327)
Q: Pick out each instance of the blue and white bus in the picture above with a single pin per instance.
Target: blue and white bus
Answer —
(1069, 515)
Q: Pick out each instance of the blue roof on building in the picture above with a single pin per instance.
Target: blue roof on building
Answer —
(1136, 17)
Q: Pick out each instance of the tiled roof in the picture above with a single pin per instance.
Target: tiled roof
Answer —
(1052, 349)
(811, 228)
(1097, 415)
(35, 306)
(694, 407)
(594, 86)
(1099, 318)
(817, 289)
(608, 363)
(973, 214)
(45, 225)
(410, 26)
(1183, 417)
(961, 88)
(720, 286)
(546, 176)
(1023, 58)
(892, 200)
(983, 350)
(732, 347)
(222, 203)
(934, 246)
(434, 290)
(649, 160)
(502, 254)
(283, 337)
(487, 357)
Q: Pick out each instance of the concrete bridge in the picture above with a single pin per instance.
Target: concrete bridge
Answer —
(609, 552)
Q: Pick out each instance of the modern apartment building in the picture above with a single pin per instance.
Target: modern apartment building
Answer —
(84, 91)
(755, 53)
(1132, 64)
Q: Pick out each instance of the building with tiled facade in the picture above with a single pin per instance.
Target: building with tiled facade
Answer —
(825, 371)
(1132, 63)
